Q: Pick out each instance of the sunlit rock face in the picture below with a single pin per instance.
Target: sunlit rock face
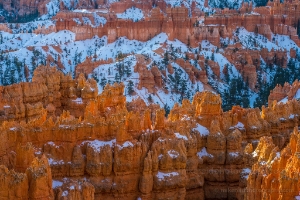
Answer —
(77, 144)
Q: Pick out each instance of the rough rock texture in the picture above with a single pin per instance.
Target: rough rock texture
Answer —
(103, 148)
(286, 91)
(274, 174)
(175, 23)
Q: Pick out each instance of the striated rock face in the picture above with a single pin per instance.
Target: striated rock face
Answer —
(99, 147)
(176, 23)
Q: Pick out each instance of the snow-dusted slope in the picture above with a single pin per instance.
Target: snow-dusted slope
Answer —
(61, 49)
(134, 14)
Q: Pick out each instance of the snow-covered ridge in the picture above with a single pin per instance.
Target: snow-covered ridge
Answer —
(33, 49)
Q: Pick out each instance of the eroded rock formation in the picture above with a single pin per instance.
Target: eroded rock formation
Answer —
(101, 147)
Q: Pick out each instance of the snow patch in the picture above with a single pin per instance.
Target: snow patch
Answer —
(201, 129)
(173, 153)
(98, 145)
(203, 153)
(162, 176)
(178, 135)
(245, 173)
(134, 14)
(125, 145)
(56, 183)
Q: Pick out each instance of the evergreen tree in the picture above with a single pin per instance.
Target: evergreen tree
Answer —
(117, 78)
(167, 109)
(186, 57)
(200, 47)
(1, 38)
(127, 70)
(103, 82)
(166, 59)
(150, 98)
(130, 89)
(183, 89)
(227, 78)
(7, 77)
(94, 76)
(213, 56)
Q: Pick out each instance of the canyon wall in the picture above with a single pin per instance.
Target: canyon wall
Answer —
(90, 146)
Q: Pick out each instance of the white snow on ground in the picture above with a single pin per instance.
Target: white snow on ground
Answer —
(174, 3)
(239, 125)
(62, 46)
(297, 95)
(125, 145)
(203, 153)
(134, 14)
(178, 135)
(56, 183)
(82, 11)
(29, 27)
(251, 40)
(52, 9)
(98, 145)
(245, 173)
(162, 176)
(108, 72)
(284, 41)
(234, 154)
(201, 129)
(188, 3)
(254, 41)
(99, 21)
(173, 153)
(55, 162)
(285, 99)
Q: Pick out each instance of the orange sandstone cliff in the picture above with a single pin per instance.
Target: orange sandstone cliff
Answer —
(61, 140)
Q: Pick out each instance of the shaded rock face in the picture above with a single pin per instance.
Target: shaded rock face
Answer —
(286, 91)
(110, 150)
(263, 20)
(274, 173)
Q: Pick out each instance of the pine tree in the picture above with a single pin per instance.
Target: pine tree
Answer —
(183, 89)
(200, 47)
(127, 70)
(7, 75)
(186, 57)
(103, 82)
(213, 56)
(167, 109)
(227, 78)
(117, 78)
(130, 89)
(166, 59)
(150, 98)
(94, 76)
